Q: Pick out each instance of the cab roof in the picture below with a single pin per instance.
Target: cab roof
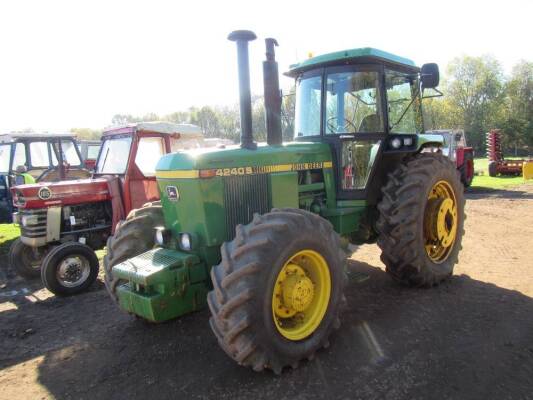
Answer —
(364, 54)
(165, 128)
(12, 137)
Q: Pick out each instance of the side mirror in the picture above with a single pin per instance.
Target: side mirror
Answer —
(429, 75)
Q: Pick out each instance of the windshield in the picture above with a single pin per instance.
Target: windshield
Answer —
(5, 156)
(353, 103)
(70, 153)
(114, 156)
(308, 103)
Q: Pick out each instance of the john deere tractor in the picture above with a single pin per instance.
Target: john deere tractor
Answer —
(258, 231)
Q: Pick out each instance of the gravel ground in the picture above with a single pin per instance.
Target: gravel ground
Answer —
(470, 338)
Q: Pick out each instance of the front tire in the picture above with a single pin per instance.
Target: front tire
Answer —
(278, 290)
(26, 260)
(132, 237)
(421, 220)
(69, 269)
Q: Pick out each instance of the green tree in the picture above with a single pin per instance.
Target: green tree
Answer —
(475, 92)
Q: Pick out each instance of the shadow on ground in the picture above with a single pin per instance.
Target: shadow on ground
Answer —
(464, 339)
(479, 192)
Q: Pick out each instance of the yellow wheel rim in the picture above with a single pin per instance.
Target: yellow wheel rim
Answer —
(301, 295)
(440, 222)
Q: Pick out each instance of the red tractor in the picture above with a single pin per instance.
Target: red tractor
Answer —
(63, 223)
(498, 165)
(455, 149)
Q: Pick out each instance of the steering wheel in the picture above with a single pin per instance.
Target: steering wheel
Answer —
(347, 124)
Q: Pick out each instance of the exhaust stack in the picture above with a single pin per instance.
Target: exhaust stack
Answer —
(272, 94)
(242, 38)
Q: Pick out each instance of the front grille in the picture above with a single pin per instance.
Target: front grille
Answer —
(244, 196)
(34, 230)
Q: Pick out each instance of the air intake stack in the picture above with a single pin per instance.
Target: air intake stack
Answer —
(242, 38)
(272, 94)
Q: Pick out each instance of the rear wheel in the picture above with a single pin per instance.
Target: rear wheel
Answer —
(278, 290)
(26, 260)
(467, 170)
(132, 237)
(421, 220)
(69, 269)
(493, 169)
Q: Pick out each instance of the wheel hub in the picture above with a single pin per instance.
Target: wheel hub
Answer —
(440, 221)
(301, 295)
(297, 289)
(73, 271)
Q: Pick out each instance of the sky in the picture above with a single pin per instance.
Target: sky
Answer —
(67, 64)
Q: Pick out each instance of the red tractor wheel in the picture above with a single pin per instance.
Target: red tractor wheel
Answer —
(467, 170)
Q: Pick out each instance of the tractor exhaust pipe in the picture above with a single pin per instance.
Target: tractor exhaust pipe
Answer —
(242, 38)
(272, 95)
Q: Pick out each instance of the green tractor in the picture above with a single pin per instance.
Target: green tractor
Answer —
(258, 232)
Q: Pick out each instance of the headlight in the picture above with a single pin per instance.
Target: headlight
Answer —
(26, 220)
(185, 241)
(396, 143)
(162, 236)
(408, 141)
(16, 218)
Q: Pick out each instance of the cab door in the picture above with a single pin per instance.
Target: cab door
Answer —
(353, 124)
(140, 179)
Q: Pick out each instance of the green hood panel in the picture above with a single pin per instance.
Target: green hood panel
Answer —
(235, 156)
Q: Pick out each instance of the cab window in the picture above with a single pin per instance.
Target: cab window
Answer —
(353, 103)
(149, 152)
(20, 155)
(403, 98)
(39, 155)
(307, 107)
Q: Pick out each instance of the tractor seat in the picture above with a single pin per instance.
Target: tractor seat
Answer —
(371, 123)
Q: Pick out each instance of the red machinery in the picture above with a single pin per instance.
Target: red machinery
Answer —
(62, 223)
(456, 149)
(497, 164)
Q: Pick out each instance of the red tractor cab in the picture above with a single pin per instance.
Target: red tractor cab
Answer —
(62, 223)
(456, 149)
(36, 157)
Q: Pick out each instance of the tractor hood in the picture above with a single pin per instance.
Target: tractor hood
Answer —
(47, 194)
(205, 163)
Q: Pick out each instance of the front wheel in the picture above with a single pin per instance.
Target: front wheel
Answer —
(26, 260)
(69, 269)
(421, 220)
(278, 290)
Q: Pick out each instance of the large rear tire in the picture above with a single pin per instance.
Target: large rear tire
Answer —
(278, 290)
(421, 220)
(132, 237)
(26, 260)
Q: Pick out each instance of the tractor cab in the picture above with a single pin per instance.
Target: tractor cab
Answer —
(366, 104)
(31, 157)
(131, 153)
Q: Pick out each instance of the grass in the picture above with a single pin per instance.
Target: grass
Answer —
(8, 233)
(482, 180)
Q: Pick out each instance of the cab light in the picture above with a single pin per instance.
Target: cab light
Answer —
(396, 143)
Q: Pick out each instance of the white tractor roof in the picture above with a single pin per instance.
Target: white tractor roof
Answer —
(169, 128)
(11, 137)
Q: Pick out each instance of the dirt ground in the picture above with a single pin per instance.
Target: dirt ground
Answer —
(470, 338)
